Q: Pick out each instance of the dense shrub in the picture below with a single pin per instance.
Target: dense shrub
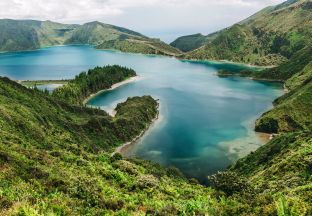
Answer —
(147, 181)
(229, 182)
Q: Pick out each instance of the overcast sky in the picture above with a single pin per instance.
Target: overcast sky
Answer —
(165, 19)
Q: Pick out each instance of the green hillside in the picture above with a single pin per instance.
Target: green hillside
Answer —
(293, 111)
(17, 35)
(269, 37)
(280, 170)
(95, 33)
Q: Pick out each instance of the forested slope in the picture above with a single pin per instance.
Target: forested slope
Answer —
(87, 83)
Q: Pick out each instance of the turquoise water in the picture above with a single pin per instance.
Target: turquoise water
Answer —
(205, 121)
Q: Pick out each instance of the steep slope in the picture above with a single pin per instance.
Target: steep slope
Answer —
(292, 112)
(270, 37)
(31, 34)
(19, 35)
(280, 170)
(51, 33)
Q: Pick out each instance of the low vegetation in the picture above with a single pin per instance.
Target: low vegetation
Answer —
(33, 83)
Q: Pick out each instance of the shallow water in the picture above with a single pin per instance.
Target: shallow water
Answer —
(205, 121)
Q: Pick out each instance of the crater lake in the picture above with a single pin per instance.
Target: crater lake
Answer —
(205, 122)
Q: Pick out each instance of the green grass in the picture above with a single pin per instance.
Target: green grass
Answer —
(32, 83)
(282, 168)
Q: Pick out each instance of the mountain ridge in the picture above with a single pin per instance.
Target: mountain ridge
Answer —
(20, 35)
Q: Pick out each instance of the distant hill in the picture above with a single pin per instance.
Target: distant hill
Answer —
(269, 37)
(189, 42)
(17, 35)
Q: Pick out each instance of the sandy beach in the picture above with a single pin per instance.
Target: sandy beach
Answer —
(132, 79)
(242, 146)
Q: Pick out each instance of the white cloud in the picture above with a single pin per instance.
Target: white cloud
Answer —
(59, 10)
(142, 15)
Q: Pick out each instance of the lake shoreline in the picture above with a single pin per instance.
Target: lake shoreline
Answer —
(242, 146)
(227, 62)
(134, 53)
(114, 86)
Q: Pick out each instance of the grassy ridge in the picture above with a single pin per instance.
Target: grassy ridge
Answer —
(286, 70)
(17, 36)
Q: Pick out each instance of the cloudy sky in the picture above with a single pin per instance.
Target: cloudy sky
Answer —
(165, 19)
